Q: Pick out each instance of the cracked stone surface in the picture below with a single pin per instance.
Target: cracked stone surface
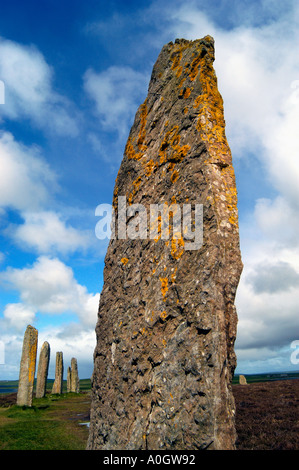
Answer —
(164, 358)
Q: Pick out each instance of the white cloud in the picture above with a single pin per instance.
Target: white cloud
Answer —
(26, 180)
(29, 90)
(73, 341)
(49, 286)
(116, 92)
(46, 233)
(18, 316)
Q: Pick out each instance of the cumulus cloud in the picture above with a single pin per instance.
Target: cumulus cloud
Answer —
(26, 180)
(273, 278)
(18, 316)
(116, 93)
(29, 91)
(49, 287)
(46, 233)
(73, 341)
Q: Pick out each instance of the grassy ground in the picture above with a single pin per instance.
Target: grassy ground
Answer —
(52, 423)
(267, 418)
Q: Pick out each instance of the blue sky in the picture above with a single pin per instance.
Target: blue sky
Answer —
(74, 74)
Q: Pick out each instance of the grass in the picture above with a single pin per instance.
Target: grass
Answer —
(254, 378)
(52, 423)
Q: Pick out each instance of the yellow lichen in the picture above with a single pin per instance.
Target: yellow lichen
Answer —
(142, 132)
(177, 247)
(164, 285)
(32, 361)
(186, 93)
(211, 125)
(163, 315)
(174, 176)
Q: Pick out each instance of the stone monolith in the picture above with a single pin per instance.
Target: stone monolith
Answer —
(68, 380)
(242, 380)
(42, 370)
(73, 383)
(58, 382)
(27, 367)
(74, 376)
(164, 358)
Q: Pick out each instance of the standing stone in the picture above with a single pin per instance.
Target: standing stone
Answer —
(42, 371)
(242, 380)
(74, 376)
(73, 383)
(164, 359)
(27, 367)
(57, 386)
(68, 379)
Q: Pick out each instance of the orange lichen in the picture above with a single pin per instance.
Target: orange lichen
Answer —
(194, 68)
(32, 362)
(149, 167)
(177, 247)
(174, 176)
(164, 285)
(142, 132)
(136, 184)
(170, 150)
(163, 315)
(124, 260)
(173, 275)
(130, 151)
(211, 125)
(186, 93)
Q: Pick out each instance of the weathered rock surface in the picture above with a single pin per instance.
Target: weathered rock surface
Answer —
(68, 379)
(73, 383)
(27, 367)
(166, 327)
(58, 382)
(42, 370)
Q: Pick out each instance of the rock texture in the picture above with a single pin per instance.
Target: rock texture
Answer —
(42, 370)
(58, 382)
(73, 383)
(166, 327)
(68, 379)
(27, 367)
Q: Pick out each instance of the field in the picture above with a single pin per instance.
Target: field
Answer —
(267, 417)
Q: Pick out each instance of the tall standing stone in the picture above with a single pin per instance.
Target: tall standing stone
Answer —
(74, 376)
(27, 367)
(164, 358)
(57, 385)
(73, 383)
(42, 371)
(68, 379)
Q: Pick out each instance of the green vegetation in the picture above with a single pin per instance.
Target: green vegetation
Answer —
(254, 378)
(52, 423)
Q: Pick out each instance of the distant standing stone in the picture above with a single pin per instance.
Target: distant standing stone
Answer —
(27, 367)
(42, 371)
(242, 380)
(57, 386)
(73, 377)
(68, 380)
